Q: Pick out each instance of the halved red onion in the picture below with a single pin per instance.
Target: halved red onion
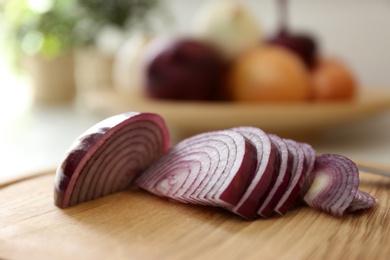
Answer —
(213, 168)
(362, 200)
(335, 184)
(298, 178)
(282, 180)
(265, 175)
(109, 156)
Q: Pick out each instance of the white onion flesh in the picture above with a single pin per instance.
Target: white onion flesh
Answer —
(210, 169)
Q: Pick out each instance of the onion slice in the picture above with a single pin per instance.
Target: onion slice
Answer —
(283, 176)
(362, 200)
(213, 168)
(297, 180)
(265, 175)
(108, 157)
(335, 184)
(310, 158)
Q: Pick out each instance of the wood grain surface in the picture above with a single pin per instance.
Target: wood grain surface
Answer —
(136, 225)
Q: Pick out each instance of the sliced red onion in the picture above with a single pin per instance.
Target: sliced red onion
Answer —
(109, 156)
(243, 169)
(335, 184)
(213, 168)
(310, 158)
(283, 177)
(297, 180)
(265, 175)
(362, 200)
(179, 181)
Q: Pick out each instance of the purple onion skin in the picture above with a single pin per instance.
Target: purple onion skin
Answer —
(298, 178)
(302, 45)
(361, 201)
(265, 174)
(283, 177)
(88, 143)
(69, 165)
(242, 178)
(185, 69)
(310, 158)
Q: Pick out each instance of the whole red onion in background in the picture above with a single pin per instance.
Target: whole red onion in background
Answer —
(183, 69)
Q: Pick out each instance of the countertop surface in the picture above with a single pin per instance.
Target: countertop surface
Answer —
(37, 137)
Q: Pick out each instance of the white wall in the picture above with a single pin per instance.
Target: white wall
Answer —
(356, 30)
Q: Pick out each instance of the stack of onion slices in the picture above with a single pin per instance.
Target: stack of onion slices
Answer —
(243, 170)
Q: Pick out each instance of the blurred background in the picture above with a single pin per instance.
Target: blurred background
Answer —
(53, 54)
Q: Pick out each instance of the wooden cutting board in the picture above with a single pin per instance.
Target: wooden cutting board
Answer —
(136, 225)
